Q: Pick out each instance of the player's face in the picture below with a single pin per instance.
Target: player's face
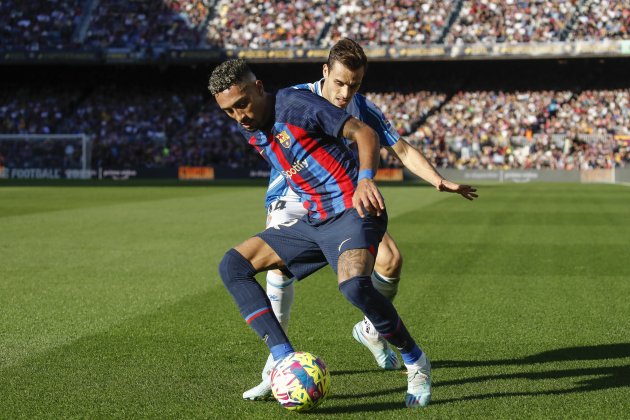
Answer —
(246, 104)
(341, 83)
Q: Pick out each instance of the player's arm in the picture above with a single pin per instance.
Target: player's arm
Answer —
(420, 166)
(367, 197)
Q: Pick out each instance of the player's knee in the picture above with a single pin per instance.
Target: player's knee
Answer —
(389, 263)
(359, 291)
(234, 266)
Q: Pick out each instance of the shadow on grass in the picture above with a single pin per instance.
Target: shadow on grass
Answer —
(599, 352)
(594, 378)
(602, 378)
(362, 408)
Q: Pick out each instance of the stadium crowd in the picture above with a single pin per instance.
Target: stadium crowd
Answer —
(263, 24)
(382, 22)
(605, 19)
(533, 129)
(144, 23)
(58, 24)
(140, 127)
(510, 21)
(39, 25)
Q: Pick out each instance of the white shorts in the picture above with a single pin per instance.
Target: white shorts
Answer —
(281, 211)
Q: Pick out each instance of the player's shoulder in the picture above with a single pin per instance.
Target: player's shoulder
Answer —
(306, 86)
(294, 94)
(291, 99)
(364, 105)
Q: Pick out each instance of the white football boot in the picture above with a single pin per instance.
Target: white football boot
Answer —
(262, 391)
(418, 383)
(365, 334)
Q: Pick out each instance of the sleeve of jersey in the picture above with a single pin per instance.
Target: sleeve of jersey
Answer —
(316, 112)
(387, 134)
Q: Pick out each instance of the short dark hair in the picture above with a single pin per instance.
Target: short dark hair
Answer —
(228, 74)
(348, 53)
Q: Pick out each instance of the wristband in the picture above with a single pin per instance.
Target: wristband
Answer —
(366, 173)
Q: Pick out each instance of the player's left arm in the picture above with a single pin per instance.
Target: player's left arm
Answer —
(367, 196)
(417, 163)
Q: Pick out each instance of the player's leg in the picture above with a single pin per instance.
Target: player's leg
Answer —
(237, 270)
(354, 264)
(387, 267)
(355, 284)
(385, 278)
(280, 288)
(290, 240)
(280, 291)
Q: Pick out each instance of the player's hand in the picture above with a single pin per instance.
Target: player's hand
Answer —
(466, 191)
(367, 198)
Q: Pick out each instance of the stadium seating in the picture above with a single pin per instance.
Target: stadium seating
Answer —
(138, 126)
(39, 25)
(376, 23)
(143, 23)
(510, 21)
(599, 20)
(58, 24)
(254, 24)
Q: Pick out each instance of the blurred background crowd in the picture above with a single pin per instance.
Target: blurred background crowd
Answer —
(144, 125)
(134, 127)
(57, 24)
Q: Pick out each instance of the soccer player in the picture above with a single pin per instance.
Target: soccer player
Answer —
(300, 135)
(343, 74)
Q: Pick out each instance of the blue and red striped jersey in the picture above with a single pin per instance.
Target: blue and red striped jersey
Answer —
(306, 147)
(360, 108)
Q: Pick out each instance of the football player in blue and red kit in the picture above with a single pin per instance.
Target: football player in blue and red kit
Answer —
(343, 74)
(301, 136)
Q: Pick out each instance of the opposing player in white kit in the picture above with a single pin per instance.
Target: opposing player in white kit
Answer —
(343, 74)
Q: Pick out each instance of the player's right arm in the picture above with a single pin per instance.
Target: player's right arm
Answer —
(367, 197)
(417, 163)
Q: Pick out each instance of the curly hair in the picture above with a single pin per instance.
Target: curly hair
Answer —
(229, 73)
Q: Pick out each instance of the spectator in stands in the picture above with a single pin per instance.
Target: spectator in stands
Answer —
(263, 24)
(403, 22)
(510, 21)
(39, 25)
(606, 19)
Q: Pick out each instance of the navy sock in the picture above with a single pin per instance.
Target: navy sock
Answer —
(237, 274)
(361, 293)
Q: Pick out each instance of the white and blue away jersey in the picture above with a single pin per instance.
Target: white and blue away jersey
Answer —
(359, 107)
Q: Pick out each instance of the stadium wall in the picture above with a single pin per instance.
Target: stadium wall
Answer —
(207, 173)
(165, 55)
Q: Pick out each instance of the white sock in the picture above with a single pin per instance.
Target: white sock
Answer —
(386, 286)
(422, 361)
(280, 293)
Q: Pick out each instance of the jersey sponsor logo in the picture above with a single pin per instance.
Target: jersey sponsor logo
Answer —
(297, 167)
(284, 139)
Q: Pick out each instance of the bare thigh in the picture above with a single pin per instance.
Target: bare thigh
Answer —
(261, 256)
(353, 263)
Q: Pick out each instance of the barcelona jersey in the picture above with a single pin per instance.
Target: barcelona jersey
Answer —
(306, 148)
(359, 107)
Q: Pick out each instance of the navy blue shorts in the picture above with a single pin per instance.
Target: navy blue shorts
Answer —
(306, 246)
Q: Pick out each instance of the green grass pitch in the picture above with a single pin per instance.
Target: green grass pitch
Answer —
(111, 305)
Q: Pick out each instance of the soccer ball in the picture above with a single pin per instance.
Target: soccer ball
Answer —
(300, 381)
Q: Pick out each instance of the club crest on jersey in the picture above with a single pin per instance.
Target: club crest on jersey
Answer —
(284, 139)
